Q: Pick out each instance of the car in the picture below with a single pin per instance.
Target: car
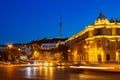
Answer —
(32, 62)
(60, 64)
(6, 63)
(45, 63)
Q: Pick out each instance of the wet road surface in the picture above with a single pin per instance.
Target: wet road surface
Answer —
(51, 73)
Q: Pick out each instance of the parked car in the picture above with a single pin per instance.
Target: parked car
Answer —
(6, 63)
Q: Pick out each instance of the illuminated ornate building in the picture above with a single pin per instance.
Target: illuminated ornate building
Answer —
(99, 42)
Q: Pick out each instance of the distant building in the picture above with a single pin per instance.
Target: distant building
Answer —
(48, 43)
(45, 46)
(48, 46)
(99, 42)
(13, 46)
(3, 48)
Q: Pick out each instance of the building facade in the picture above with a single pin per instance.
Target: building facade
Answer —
(99, 42)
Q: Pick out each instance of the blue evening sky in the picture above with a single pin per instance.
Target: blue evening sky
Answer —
(22, 21)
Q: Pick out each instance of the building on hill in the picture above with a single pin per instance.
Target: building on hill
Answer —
(48, 43)
(45, 46)
(99, 42)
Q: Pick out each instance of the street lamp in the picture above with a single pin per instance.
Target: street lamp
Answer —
(10, 46)
(69, 50)
(19, 49)
(69, 55)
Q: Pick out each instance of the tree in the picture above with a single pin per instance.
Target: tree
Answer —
(36, 55)
(9, 57)
(63, 52)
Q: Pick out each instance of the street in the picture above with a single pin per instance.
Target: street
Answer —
(11, 72)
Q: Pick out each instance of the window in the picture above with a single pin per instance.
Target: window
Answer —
(99, 44)
(98, 31)
(107, 44)
(107, 31)
(103, 31)
(118, 31)
(118, 45)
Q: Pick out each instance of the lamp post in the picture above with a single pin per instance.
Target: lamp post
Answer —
(10, 46)
(69, 55)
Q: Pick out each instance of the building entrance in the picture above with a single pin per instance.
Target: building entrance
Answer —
(108, 57)
(99, 58)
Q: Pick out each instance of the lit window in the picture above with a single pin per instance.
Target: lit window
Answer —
(99, 44)
(118, 31)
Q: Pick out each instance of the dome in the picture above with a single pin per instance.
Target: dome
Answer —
(102, 19)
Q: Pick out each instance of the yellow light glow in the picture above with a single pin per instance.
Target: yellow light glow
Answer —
(112, 40)
(51, 64)
(103, 36)
(69, 50)
(46, 64)
(19, 49)
(10, 46)
(85, 46)
(117, 56)
(102, 53)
